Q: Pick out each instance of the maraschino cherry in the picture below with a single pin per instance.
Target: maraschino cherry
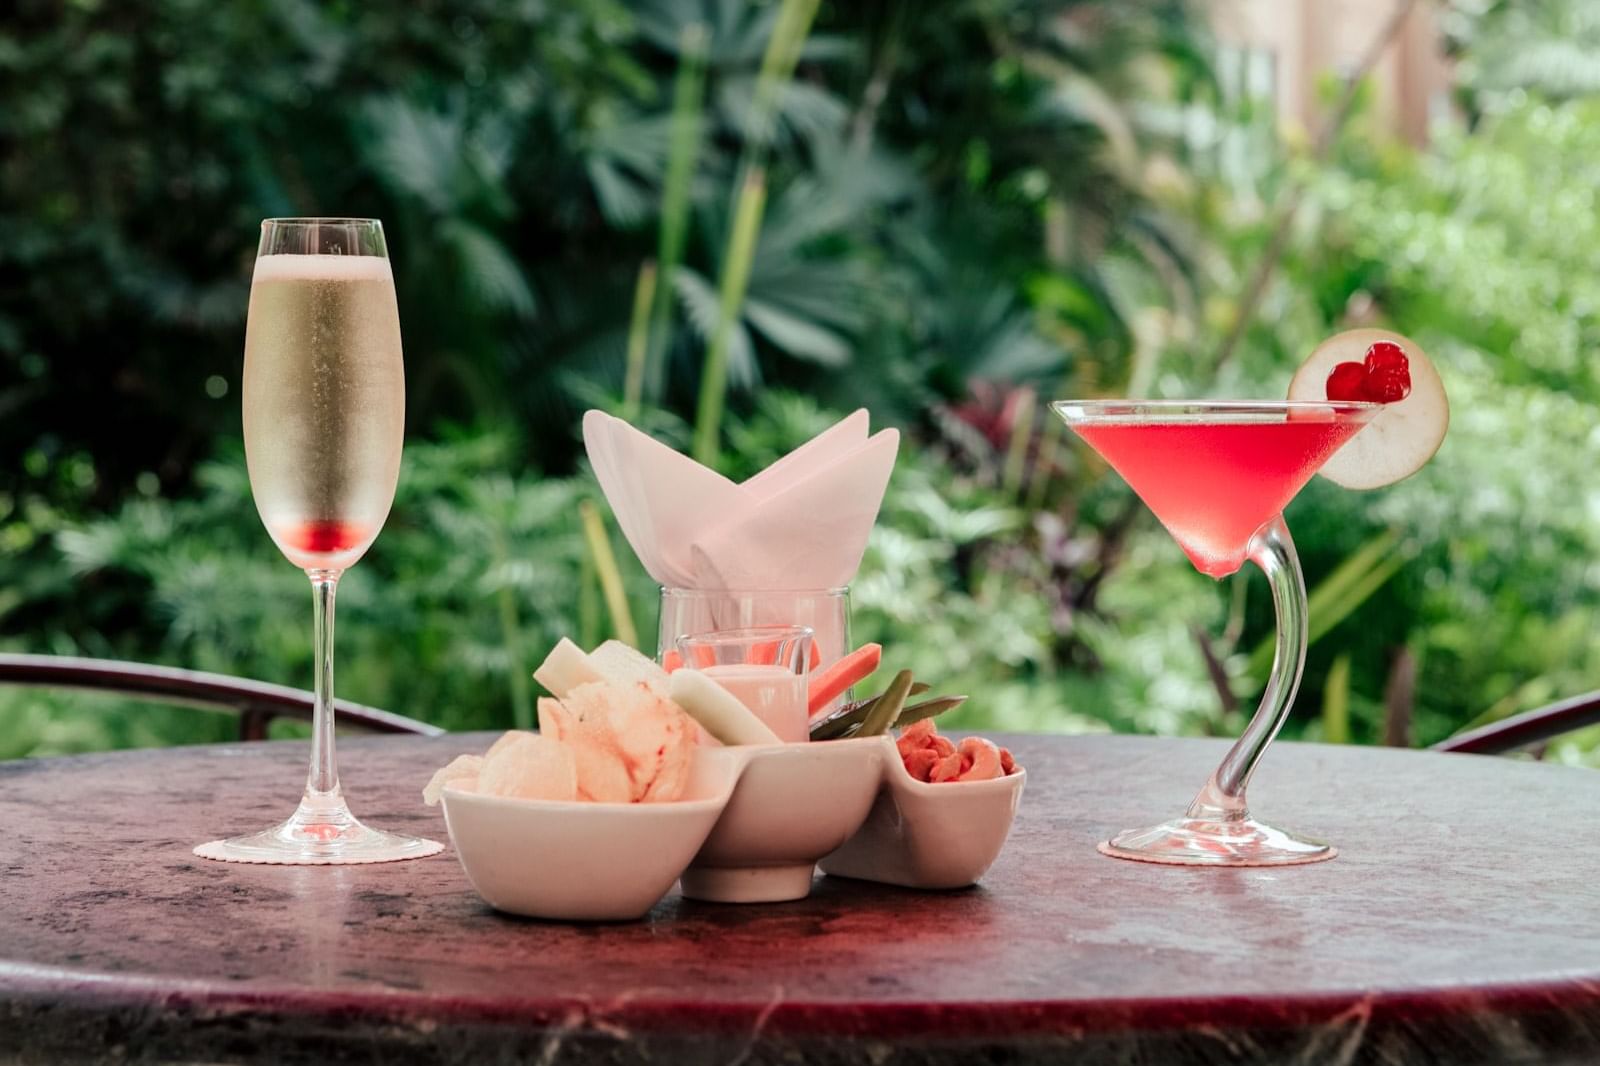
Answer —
(1385, 376)
(1375, 365)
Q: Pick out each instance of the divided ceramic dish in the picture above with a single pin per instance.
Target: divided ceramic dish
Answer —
(586, 861)
(930, 836)
(794, 803)
(753, 825)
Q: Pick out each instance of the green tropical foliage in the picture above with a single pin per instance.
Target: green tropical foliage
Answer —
(731, 221)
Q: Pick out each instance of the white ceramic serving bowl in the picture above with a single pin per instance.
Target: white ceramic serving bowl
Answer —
(586, 861)
(923, 835)
(794, 803)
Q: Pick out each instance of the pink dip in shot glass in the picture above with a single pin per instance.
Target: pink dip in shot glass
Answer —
(765, 667)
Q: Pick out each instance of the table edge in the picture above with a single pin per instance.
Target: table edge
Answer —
(21, 983)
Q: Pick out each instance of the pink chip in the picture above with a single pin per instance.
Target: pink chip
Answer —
(555, 721)
(602, 776)
(509, 737)
(604, 742)
(650, 734)
(462, 773)
(674, 775)
(529, 767)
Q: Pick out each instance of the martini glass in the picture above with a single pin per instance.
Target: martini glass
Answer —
(1218, 475)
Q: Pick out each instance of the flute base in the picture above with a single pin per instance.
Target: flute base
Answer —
(1235, 841)
(322, 832)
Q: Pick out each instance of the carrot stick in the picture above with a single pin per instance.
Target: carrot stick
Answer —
(826, 686)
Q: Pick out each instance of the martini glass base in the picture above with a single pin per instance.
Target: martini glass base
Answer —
(1213, 842)
(319, 834)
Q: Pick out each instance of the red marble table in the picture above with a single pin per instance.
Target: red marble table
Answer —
(1461, 924)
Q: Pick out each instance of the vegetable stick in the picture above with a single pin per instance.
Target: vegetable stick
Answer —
(829, 684)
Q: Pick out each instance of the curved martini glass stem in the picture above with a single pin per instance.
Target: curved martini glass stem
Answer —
(1223, 798)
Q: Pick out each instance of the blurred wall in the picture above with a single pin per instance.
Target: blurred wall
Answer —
(1304, 41)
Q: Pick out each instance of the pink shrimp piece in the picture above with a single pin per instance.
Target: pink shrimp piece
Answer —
(934, 758)
(915, 736)
(948, 768)
(920, 763)
(980, 760)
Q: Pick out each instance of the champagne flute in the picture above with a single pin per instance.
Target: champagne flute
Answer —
(324, 415)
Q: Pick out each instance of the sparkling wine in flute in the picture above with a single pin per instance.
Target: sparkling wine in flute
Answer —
(324, 403)
(324, 418)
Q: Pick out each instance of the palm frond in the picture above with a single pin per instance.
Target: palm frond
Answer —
(795, 336)
(624, 200)
(415, 150)
(702, 307)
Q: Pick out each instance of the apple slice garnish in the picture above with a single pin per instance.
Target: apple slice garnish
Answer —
(1387, 368)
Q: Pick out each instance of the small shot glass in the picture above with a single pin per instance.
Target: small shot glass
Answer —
(765, 667)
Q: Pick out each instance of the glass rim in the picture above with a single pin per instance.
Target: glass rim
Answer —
(317, 220)
(749, 634)
(1129, 412)
(678, 592)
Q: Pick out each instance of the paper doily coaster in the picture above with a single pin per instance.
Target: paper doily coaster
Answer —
(214, 851)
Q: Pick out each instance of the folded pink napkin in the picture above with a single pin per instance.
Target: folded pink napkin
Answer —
(802, 523)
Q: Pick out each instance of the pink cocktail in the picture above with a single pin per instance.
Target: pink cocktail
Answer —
(1214, 484)
(1218, 476)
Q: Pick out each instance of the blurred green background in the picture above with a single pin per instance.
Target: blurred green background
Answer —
(733, 221)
